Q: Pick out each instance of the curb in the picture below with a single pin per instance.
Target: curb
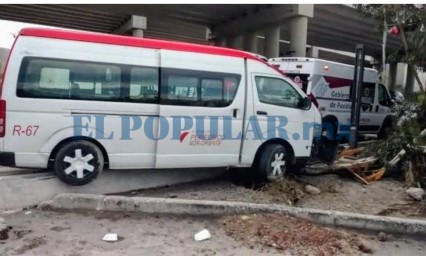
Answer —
(205, 207)
(24, 190)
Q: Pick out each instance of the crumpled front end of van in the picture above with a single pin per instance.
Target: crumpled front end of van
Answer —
(323, 149)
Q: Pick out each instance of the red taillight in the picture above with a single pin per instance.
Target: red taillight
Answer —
(2, 118)
(310, 96)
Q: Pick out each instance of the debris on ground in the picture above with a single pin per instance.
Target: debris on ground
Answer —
(288, 191)
(202, 235)
(351, 152)
(312, 190)
(110, 237)
(348, 161)
(364, 246)
(4, 230)
(416, 193)
(291, 234)
(382, 236)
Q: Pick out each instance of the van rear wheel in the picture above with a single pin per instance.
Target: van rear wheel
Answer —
(78, 162)
(272, 163)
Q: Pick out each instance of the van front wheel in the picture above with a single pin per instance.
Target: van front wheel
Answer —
(272, 162)
(78, 162)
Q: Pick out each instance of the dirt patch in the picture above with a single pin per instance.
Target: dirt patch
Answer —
(30, 244)
(18, 234)
(13, 233)
(338, 193)
(4, 233)
(296, 236)
(287, 191)
(59, 229)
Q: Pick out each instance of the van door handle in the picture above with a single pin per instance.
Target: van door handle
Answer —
(235, 113)
(263, 113)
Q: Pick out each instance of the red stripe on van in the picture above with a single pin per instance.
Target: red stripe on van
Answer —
(335, 82)
(133, 41)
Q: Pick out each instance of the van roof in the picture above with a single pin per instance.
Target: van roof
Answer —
(307, 59)
(93, 37)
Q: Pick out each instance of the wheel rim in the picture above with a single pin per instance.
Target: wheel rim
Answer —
(78, 164)
(277, 165)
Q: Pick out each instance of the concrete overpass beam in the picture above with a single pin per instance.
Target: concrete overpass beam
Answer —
(250, 42)
(272, 42)
(299, 29)
(134, 26)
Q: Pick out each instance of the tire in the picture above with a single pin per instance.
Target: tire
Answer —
(78, 162)
(385, 130)
(272, 163)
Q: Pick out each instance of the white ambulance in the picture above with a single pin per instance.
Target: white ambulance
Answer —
(80, 102)
(328, 84)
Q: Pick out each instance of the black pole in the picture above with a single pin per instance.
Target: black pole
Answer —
(355, 94)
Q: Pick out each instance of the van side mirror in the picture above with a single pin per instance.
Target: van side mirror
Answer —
(304, 103)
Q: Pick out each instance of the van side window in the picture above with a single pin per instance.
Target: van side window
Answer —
(212, 89)
(181, 88)
(143, 84)
(198, 88)
(276, 91)
(66, 79)
(54, 78)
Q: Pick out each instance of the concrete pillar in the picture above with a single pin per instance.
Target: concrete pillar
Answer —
(298, 35)
(135, 26)
(409, 82)
(250, 42)
(136, 32)
(272, 42)
(393, 69)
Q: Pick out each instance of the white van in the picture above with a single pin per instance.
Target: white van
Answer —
(81, 102)
(328, 84)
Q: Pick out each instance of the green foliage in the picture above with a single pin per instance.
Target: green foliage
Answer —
(409, 122)
(411, 20)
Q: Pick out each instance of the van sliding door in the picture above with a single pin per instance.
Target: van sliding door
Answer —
(201, 110)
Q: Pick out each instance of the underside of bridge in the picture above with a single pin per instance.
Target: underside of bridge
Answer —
(338, 27)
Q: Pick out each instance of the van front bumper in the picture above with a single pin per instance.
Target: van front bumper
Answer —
(7, 159)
